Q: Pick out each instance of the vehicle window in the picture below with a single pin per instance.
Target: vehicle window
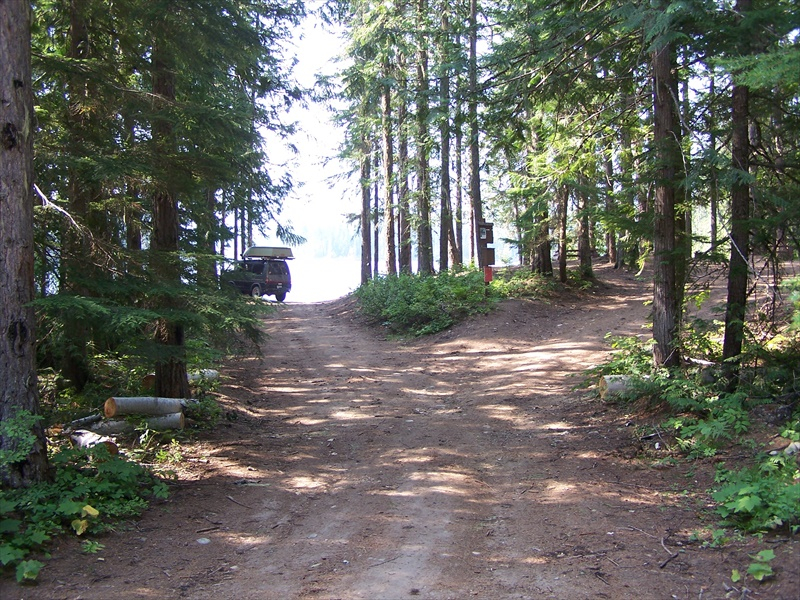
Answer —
(256, 267)
(275, 268)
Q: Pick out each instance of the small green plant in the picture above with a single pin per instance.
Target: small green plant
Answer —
(89, 489)
(759, 569)
(631, 356)
(763, 497)
(91, 547)
(18, 427)
(204, 411)
(170, 454)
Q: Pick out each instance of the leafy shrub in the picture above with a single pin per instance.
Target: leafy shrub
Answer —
(90, 488)
(522, 283)
(763, 497)
(424, 304)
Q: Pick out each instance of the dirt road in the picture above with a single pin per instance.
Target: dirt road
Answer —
(459, 466)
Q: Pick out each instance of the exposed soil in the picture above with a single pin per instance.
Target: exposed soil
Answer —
(461, 465)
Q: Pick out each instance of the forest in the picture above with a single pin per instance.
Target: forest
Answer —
(137, 145)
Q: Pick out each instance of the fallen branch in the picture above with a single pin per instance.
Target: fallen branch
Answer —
(671, 555)
(237, 502)
(83, 422)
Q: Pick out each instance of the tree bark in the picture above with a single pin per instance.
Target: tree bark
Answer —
(472, 117)
(424, 231)
(665, 136)
(446, 233)
(458, 249)
(81, 189)
(735, 311)
(376, 212)
(403, 203)
(18, 388)
(584, 237)
(563, 207)
(170, 369)
(388, 173)
(366, 231)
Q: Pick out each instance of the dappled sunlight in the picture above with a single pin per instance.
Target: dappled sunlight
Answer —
(504, 413)
(303, 482)
(534, 560)
(557, 426)
(288, 390)
(431, 482)
(555, 491)
(309, 421)
(427, 391)
(349, 415)
(242, 538)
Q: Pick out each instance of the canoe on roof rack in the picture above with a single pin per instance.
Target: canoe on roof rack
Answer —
(267, 252)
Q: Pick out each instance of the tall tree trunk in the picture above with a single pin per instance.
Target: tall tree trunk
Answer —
(76, 246)
(366, 230)
(458, 214)
(472, 117)
(170, 369)
(376, 213)
(18, 390)
(446, 233)
(713, 205)
(403, 191)
(610, 203)
(683, 219)
(584, 236)
(388, 174)
(563, 208)
(735, 311)
(207, 239)
(424, 231)
(665, 136)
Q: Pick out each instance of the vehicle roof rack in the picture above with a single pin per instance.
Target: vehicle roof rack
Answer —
(268, 252)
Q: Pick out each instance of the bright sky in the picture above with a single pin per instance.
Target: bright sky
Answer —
(316, 209)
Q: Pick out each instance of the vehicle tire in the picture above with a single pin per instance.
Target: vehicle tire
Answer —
(255, 291)
(280, 296)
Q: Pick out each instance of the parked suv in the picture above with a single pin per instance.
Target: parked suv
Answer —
(263, 271)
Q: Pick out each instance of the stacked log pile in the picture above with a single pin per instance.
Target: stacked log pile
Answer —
(159, 414)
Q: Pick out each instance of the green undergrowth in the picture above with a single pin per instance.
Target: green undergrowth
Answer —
(416, 305)
(703, 419)
(90, 491)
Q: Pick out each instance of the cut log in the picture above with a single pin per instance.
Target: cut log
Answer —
(149, 382)
(117, 406)
(159, 423)
(81, 438)
(208, 374)
(166, 422)
(613, 386)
